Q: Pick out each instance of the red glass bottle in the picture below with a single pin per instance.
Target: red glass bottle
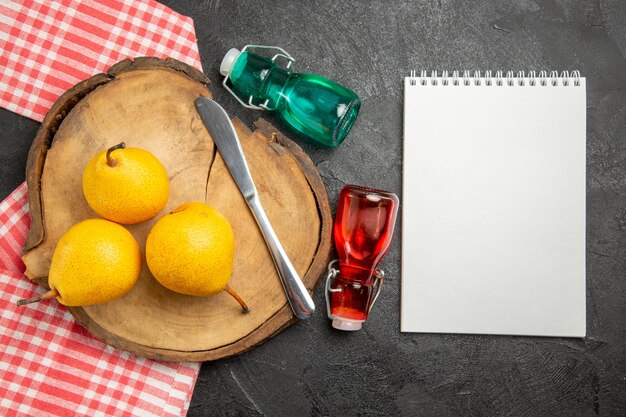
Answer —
(363, 230)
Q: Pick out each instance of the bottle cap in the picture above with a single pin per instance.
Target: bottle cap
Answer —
(347, 324)
(229, 60)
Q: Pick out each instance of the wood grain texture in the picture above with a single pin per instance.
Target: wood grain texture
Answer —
(148, 104)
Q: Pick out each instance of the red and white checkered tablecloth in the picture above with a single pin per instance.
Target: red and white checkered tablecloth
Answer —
(49, 365)
(49, 46)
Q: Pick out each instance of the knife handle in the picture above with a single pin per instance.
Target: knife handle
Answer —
(297, 294)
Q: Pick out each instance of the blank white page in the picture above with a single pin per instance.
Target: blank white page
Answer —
(493, 208)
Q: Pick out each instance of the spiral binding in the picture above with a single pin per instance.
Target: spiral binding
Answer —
(499, 78)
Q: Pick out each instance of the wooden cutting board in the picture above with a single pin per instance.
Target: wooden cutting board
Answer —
(149, 103)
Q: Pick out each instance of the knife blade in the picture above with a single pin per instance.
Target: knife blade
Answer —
(223, 133)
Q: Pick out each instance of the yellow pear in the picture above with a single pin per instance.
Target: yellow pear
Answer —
(126, 185)
(191, 251)
(94, 262)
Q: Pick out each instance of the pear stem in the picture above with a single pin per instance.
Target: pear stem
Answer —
(110, 161)
(45, 296)
(232, 293)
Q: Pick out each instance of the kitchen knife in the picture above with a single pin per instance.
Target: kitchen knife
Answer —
(223, 133)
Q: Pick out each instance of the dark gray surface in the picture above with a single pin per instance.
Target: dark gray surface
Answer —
(310, 369)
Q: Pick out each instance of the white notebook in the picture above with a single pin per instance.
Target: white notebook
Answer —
(493, 204)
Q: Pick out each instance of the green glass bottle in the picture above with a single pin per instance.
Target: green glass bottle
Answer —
(315, 106)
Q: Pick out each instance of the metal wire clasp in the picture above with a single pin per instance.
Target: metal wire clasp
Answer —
(330, 279)
(281, 53)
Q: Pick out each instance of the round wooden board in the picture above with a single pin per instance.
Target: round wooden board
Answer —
(149, 103)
